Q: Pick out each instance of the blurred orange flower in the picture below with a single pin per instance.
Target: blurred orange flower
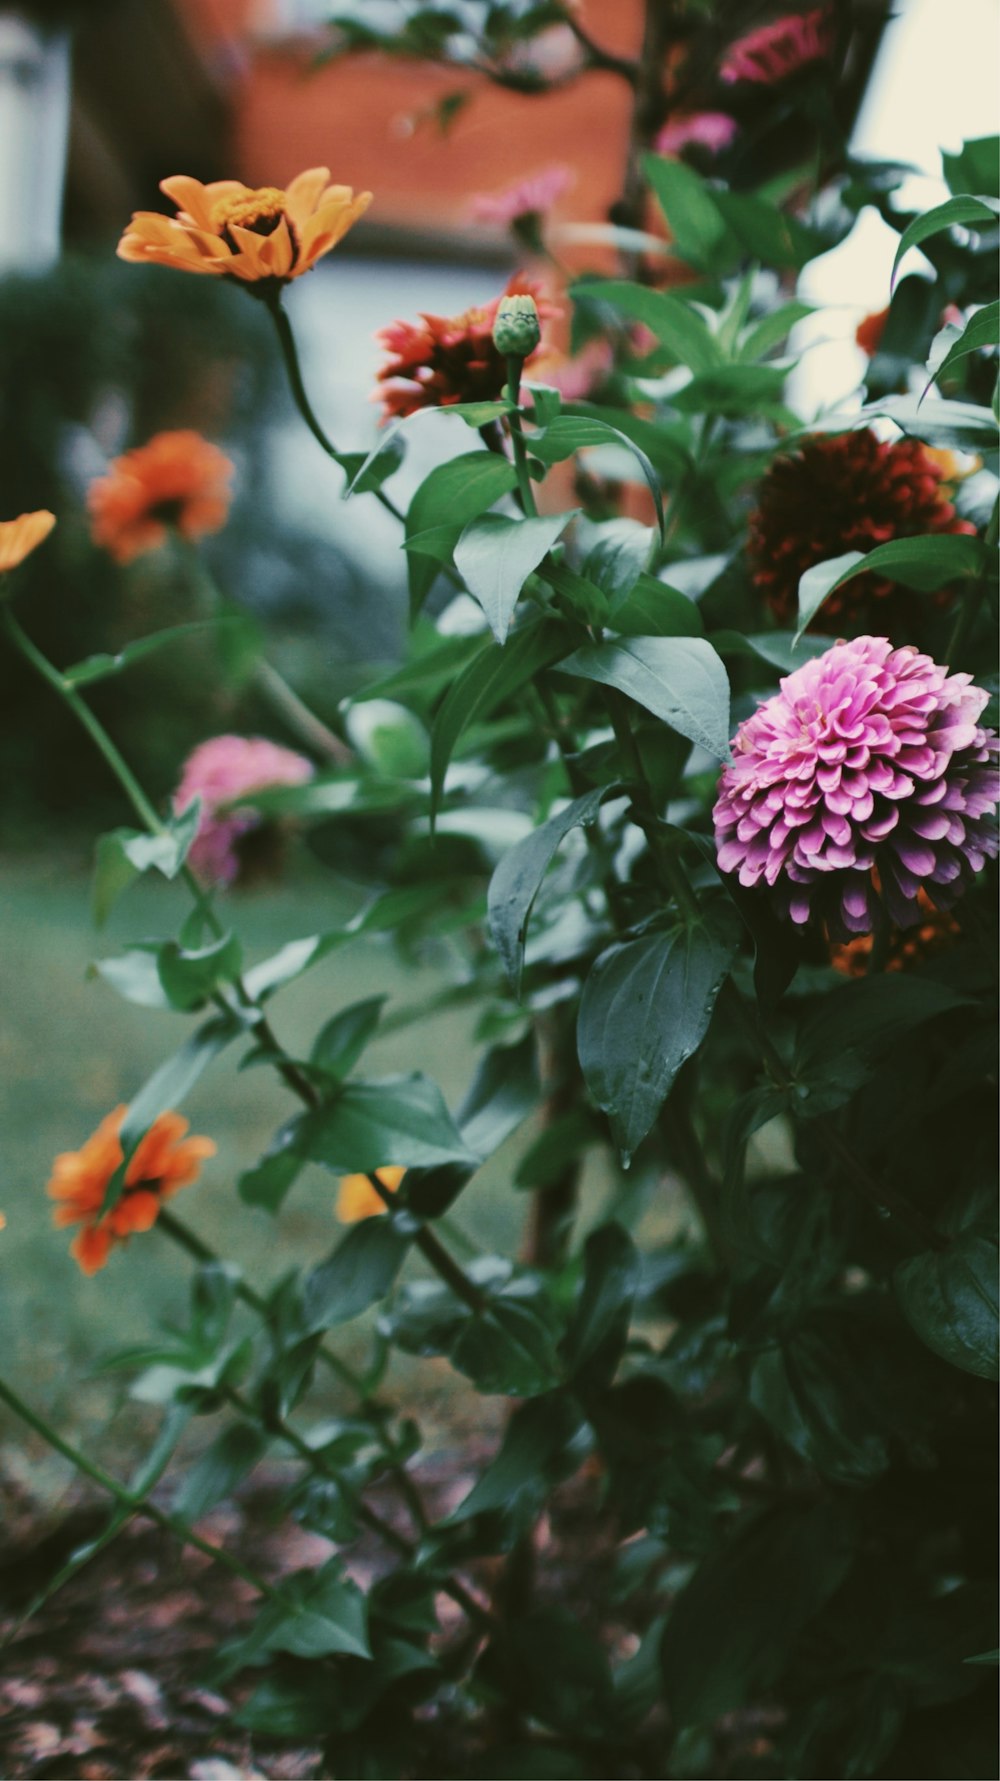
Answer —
(256, 235)
(19, 537)
(936, 932)
(358, 1199)
(164, 1161)
(178, 479)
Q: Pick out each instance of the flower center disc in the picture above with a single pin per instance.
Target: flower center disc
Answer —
(260, 211)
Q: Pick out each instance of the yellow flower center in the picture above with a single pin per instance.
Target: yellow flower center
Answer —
(260, 211)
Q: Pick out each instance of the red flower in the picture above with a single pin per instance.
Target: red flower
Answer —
(441, 360)
(163, 1161)
(832, 495)
(870, 330)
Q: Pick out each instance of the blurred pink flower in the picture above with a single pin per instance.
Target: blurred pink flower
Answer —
(713, 130)
(218, 772)
(867, 776)
(774, 51)
(527, 197)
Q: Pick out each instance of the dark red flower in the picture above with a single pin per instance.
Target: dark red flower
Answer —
(869, 331)
(440, 360)
(835, 494)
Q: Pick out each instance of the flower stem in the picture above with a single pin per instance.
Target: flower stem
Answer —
(293, 710)
(444, 1264)
(515, 364)
(135, 1503)
(293, 369)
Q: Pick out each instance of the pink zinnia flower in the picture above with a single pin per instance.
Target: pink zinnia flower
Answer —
(219, 772)
(774, 51)
(868, 760)
(527, 197)
(713, 130)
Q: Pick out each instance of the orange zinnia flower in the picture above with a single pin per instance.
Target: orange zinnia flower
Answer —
(178, 479)
(357, 1198)
(163, 1161)
(20, 536)
(260, 236)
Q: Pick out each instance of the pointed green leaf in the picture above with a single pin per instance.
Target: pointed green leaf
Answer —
(679, 679)
(231, 1456)
(338, 1047)
(676, 324)
(700, 232)
(451, 495)
(980, 213)
(357, 1274)
(922, 563)
(645, 1008)
(982, 330)
(495, 556)
(515, 882)
(492, 676)
(570, 433)
(402, 1120)
(949, 1297)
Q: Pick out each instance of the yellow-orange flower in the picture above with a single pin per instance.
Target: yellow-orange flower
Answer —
(20, 536)
(163, 1162)
(178, 479)
(259, 235)
(358, 1199)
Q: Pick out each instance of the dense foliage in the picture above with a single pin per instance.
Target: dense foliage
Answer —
(767, 1002)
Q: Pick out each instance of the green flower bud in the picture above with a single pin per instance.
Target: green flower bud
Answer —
(516, 330)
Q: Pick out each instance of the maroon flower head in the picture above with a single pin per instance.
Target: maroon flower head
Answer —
(847, 492)
(865, 778)
(440, 360)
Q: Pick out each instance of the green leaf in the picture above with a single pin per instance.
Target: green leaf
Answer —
(515, 882)
(518, 1479)
(982, 330)
(785, 650)
(189, 976)
(762, 336)
(811, 1394)
(231, 1456)
(490, 678)
(315, 1614)
(976, 167)
(852, 1025)
(676, 324)
(570, 433)
(949, 1296)
(124, 854)
(359, 1272)
(401, 1120)
(922, 563)
(961, 425)
(508, 1352)
(654, 609)
(267, 1183)
(700, 232)
(766, 233)
(645, 1008)
(451, 495)
(339, 1045)
(599, 1330)
(733, 390)
(100, 667)
(419, 681)
(617, 554)
(982, 212)
(367, 471)
(503, 1092)
(679, 679)
(495, 556)
(165, 1090)
(734, 1626)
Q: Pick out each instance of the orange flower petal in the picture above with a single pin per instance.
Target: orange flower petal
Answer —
(19, 537)
(357, 1198)
(91, 1248)
(304, 193)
